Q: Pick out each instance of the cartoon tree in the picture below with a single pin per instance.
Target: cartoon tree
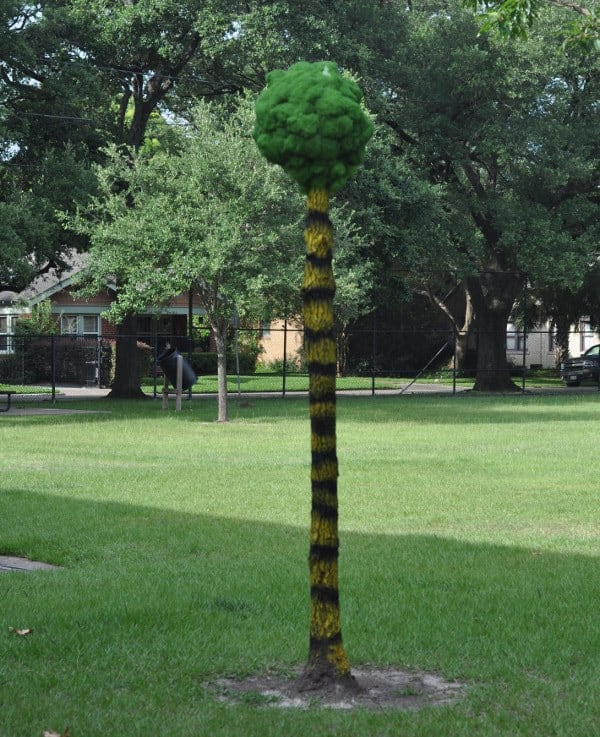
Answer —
(309, 120)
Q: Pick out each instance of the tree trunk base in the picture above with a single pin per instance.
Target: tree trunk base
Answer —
(497, 387)
(128, 393)
(321, 677)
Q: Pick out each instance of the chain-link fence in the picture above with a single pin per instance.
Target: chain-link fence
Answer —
(374, 358)
(430, 356)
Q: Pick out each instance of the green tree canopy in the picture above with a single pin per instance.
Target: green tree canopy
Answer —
(516, 18)
(213, 217)
(506, 133)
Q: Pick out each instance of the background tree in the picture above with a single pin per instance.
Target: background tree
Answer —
(509, 138)
(48, 137)
(90, 73)
(70, 83)
(223, 237)
(310, 122)
(515, 18)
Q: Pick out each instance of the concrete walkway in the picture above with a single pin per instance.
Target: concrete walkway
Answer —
(68, 392)
(65, 393)
(13, 563)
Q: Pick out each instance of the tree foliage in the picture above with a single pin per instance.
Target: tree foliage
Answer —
(464, 126)
(512, 19)
(507, 133)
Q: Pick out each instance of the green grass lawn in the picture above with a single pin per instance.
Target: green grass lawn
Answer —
(257, 383)
(470, 536)
(296, 382)
(264, 382)
(24, 389)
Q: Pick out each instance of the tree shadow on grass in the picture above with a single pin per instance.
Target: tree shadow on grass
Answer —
(445, 604)
(460, 409)
(188, 600)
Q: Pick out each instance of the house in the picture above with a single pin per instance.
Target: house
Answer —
(82, 331)
(279, 339)
(537, 348)
(82, 319)
(84, 335)
(79, 316)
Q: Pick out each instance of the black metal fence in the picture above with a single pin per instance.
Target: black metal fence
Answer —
(374, 354)
(42, 359)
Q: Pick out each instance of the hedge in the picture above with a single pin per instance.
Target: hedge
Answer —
(205, 364)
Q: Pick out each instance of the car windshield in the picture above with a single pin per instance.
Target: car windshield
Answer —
(593, 351)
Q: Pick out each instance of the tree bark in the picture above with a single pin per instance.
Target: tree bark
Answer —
(493, 295)
(466, 345)
(220, 333)
(461, 320)
(328, 663)
(343, 340)
(126, 384)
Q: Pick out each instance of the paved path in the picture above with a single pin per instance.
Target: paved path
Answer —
(13, 563)
(65, 393)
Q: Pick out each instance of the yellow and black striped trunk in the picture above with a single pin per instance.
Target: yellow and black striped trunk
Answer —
(327, 658)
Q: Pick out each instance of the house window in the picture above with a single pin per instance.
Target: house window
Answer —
(68, 324)
(90, 326)
(5, 328)
(86, 325)
(588, 338)
(515, 338)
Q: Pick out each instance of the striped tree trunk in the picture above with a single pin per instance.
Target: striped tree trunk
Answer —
(327, 661)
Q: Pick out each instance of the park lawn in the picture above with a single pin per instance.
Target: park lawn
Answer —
(470, 537)
(264, 382)
(24, 389)
(294, 382)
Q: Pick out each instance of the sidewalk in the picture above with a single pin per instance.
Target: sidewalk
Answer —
(93, 392)
(69, 392)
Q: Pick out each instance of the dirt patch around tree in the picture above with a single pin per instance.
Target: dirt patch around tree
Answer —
(379, 688)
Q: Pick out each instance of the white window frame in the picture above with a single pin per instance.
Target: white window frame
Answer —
(587, 335)
(76, 324)
(6, 344)
(516, 340)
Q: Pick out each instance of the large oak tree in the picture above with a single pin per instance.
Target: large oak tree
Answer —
(507, 133)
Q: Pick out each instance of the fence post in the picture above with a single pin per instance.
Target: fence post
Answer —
(373, 353)
(284, 366)
(524, 361)
(454, 360)
(190, 332)
(154, 358)
(53, 366)
(179, 383)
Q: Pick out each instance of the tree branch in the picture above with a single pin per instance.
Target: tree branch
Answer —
(440, 304)
(402, 133)
(576, 7)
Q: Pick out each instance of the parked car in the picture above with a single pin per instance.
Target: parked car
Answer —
(575, 370)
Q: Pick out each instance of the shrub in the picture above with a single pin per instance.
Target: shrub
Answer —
(205, 363)
(11, 368)
(276, 366)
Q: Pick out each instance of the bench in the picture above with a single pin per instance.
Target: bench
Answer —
(8, 395)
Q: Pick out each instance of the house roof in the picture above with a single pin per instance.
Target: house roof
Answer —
(53, 280)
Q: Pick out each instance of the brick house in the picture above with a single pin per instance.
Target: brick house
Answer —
(82, 317)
